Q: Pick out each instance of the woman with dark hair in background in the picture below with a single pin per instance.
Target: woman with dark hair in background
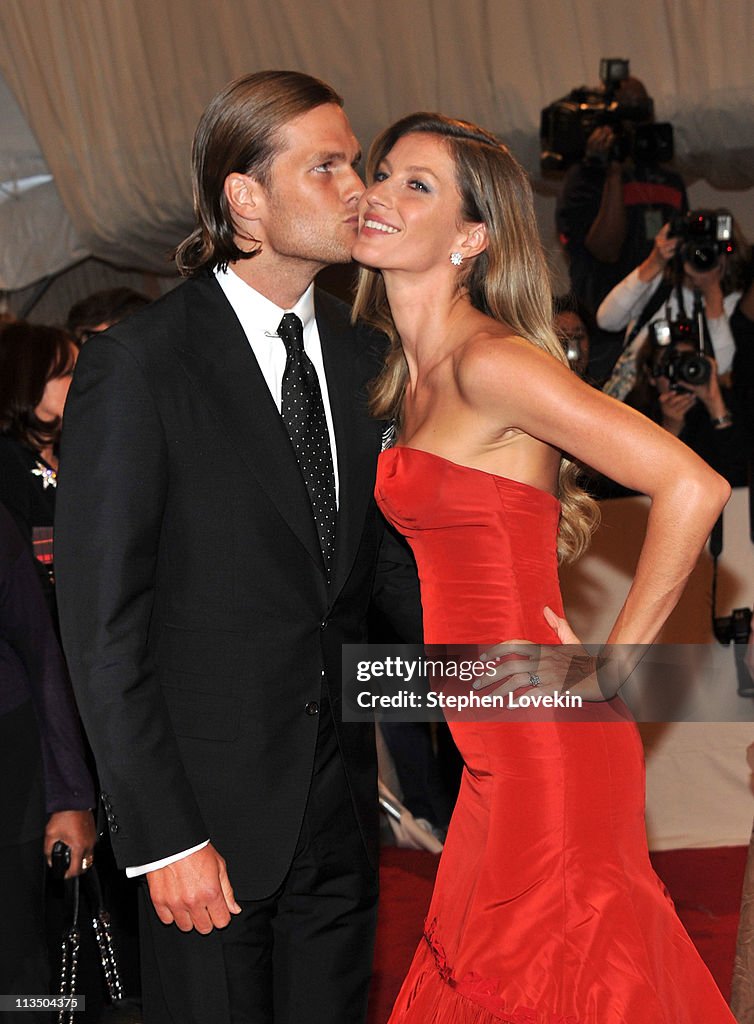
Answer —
(36, 364)
(545, 907)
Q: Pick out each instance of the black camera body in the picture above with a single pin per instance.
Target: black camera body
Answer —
(679, 366)
(734, 627)
(704, 236)
(566, 124)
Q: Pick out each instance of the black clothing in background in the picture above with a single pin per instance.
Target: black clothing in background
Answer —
(27, 489)
(42, 766)
(742, 400)
(651, 195)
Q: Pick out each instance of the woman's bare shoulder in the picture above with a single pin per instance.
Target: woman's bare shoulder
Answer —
(494, 357)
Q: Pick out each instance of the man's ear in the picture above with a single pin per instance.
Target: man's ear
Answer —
(241, 194)
(474, 240)
(244, 196)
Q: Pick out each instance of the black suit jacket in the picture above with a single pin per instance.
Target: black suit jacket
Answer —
(197, 620)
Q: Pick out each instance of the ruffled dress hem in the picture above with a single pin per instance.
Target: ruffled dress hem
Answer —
(435, 1001)
(431, 994)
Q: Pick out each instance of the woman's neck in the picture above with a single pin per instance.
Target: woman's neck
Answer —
(426, 314)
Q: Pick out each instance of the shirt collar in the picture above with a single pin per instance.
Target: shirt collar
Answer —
(251, 307)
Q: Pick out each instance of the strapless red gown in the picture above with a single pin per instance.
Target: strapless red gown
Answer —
(546, 909)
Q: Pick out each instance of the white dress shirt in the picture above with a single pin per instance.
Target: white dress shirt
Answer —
(259, 319)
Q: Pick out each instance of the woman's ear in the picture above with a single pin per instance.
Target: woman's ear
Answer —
(474, 241)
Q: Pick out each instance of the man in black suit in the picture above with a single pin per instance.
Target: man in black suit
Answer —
(213, 557)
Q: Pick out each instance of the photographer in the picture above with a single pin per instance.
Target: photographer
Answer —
(570, 322)
(674, 289)
(664, 303)
(698, 414)
(609, 211)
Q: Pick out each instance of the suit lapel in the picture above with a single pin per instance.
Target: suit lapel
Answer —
(348, 369)
(219, 360)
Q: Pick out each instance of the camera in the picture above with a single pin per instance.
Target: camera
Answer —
(735, 627)
(566, 124)
(679, 366)
(705, 237)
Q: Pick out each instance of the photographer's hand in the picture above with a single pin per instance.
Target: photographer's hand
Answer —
(673, 406)
(711, 395)
(599, 145)
(662, 252)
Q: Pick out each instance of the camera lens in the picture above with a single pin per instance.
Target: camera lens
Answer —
(701, 257)
(693, 368)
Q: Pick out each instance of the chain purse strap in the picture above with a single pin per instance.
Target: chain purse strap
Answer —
(104, 937)
(70, 956)
(100, 919)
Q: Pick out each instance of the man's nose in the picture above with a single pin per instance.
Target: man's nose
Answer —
(354, 186)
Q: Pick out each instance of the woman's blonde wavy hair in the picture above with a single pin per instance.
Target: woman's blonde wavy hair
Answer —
(509, 281)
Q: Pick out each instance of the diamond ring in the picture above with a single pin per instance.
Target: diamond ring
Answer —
(534, 679)
(86, 863)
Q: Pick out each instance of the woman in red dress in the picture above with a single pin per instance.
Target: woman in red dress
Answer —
(546, 909)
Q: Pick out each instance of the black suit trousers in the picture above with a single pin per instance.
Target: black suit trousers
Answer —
(303, 954)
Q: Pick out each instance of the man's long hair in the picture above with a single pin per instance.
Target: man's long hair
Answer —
(240, 132)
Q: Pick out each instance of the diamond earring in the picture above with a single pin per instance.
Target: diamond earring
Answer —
(456, 259)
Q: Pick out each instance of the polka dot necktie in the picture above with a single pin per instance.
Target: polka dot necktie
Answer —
(303, 413)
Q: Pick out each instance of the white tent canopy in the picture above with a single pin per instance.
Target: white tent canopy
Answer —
(37, 236)
(111, 90)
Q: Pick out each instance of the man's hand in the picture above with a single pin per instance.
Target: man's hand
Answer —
(75, 829)
(194, 892)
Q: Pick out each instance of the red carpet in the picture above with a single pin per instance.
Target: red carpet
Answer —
(705, 885)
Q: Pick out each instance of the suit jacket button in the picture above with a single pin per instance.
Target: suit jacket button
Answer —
(323, 624)
(114, 826)
(312, 708)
